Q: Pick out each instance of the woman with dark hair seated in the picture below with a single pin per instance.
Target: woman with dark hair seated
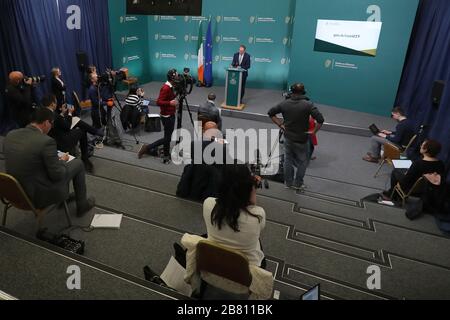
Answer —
(233, 219)
(429, 163)
(133, 110)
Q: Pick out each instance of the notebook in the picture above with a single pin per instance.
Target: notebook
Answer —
(374, 129)
(107, 221)
(402, 164)
(60, 154)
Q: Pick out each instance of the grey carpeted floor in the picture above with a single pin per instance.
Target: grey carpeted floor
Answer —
(325, 235)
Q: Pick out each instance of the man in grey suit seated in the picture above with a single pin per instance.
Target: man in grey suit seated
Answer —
(32, 158)
(210, 112)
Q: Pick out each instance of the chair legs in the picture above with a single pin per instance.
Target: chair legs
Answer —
(379, 168)
(5, 213)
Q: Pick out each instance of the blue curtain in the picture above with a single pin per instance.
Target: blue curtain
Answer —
(427, 61)
(34, 38)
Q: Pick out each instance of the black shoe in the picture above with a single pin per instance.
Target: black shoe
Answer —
(151, 276)
(166, 160)
(83, 209)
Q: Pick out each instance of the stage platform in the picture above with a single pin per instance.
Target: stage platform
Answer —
(258, 102)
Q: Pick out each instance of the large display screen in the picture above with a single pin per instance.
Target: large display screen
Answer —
(348, 37)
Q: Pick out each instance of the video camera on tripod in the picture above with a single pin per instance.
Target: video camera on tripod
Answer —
(111, 77)
(184, 83)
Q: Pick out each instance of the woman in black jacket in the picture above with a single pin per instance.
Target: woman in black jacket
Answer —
(429, 163)
(58, 87)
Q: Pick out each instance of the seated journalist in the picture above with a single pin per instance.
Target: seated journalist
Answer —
(32, 158)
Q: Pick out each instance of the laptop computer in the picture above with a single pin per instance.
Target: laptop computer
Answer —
(312, 294)
(374, 129)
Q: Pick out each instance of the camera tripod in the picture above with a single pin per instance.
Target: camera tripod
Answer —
(182, 100)
(111, 137)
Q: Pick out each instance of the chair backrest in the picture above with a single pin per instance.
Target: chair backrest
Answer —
(391, 152)
(223, 262)
(203, 119)
(410, 143)
(12, 192)
(417, 187)
(76, 100)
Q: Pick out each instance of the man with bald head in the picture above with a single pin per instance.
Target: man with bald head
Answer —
(19, 98)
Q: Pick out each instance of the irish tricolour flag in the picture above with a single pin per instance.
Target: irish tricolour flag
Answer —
(201, 58)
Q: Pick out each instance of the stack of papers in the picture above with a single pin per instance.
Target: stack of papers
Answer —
(107, 221)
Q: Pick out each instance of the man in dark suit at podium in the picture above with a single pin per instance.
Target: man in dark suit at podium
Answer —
(242, 59)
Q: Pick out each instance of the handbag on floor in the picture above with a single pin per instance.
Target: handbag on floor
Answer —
(414, 208)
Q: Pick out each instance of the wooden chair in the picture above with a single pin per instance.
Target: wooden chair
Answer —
(203, 120)
(81, 105)
(13, 195)
(130, 80)
(225, 272)
(417, 187)
(393, 152)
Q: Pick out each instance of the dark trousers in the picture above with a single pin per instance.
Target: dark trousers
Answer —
(78, 135)
(244, 83)
(98, 116)
(77, 174)
(396, 176)
(169, 127)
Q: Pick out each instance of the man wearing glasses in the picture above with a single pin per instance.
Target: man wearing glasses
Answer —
(32, 158)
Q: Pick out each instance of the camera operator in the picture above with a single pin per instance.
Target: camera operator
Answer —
(296, 111)
(19, 98)
(168, 103)
(98, 112)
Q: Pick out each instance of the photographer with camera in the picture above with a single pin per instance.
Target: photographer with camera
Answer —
(296, 111)
(68, 130)
(19, 97)
(98, 112)
(168, 103)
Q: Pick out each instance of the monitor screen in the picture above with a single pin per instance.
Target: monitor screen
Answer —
(165, 7)
(312, 294)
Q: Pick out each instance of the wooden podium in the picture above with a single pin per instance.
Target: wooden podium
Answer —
(233, 89)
